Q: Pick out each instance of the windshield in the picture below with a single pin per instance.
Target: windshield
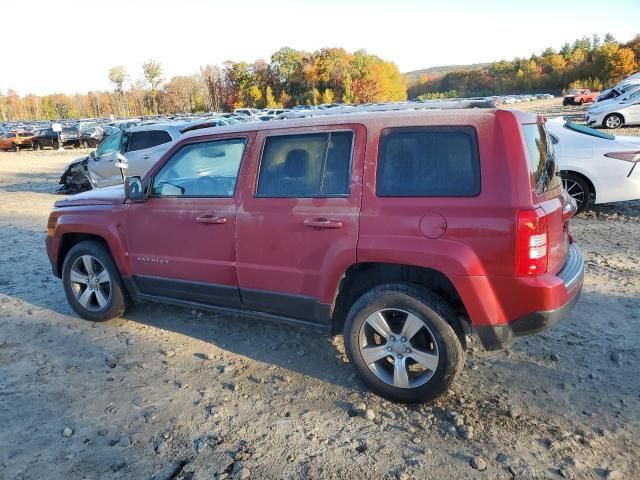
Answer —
(587, 131)
(575, 91)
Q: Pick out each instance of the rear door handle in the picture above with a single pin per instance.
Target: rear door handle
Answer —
(211, 220)
(322, 223)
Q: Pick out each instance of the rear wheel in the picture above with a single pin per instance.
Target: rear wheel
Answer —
(55, 145)
(15, 148)
(613, 121)
(85, 144)
(579, 190)
(92, 282)
(399, 340)
(36, 146)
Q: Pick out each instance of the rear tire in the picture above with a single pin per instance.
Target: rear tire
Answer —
(613, 121)
(36, 146)
(579, 190)
(92, 283)
(15, 148)
(85, 144)
(55, 145)
(420, 354)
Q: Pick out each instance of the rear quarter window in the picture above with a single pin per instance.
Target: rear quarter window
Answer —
(542, 163)
(428, 162)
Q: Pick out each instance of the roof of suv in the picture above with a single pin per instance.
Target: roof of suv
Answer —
(459, 116)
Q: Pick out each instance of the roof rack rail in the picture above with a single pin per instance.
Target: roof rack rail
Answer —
(392, 107)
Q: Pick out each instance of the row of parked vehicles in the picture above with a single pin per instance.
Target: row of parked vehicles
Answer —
(613, 108)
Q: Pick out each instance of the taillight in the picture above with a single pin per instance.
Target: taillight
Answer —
(533, 238)
(633, 157)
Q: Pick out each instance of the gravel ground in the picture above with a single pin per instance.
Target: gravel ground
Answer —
(170, 393)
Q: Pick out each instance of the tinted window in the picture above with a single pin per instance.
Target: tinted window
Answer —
(11, 135)
(147, 139)
(428, 162)
(541, 159)
(309, 165)
(208, 169)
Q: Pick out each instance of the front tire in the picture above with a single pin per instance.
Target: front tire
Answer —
(15, 148)
(401, 342)
(85, 144)
(36, 146)
(92, 282)
(613, 121)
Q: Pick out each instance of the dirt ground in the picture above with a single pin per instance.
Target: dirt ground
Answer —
(171, 393)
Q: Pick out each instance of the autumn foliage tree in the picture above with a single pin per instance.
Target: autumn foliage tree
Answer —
(588, 61)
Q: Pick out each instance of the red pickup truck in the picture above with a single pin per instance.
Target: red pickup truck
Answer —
(406, 230)
(578, 96)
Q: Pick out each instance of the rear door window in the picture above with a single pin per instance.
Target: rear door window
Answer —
(542, 163)
(147, 139)
(306, 165)
(428, 162)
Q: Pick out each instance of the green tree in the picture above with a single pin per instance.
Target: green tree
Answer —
(152, 71)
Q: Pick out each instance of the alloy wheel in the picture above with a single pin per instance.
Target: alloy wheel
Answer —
(574, 189)
(90, 283)
(399, 348)
(613, 121)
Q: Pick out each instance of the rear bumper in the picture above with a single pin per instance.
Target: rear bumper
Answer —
(495, 337)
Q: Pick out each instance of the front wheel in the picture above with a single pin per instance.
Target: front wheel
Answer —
(92, 282)
(613, 121)
(399, 340)
(36, 146)
(15, 148)
(85, 144)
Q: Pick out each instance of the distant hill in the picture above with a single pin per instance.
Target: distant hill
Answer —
(414, 76)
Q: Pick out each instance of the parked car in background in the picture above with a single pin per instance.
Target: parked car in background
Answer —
(141, 146)
(272, 113)
(70, 137)
(247, 112)
(91, 137)
(16, 141)
(378, 225)
(624, 110)
(578, 96)
(617, 91)
(595, 167)
(45, 138)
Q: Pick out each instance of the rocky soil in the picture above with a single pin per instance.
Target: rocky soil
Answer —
(169, 393)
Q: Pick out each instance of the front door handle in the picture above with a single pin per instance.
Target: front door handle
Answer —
(322, 223)
(211, 220)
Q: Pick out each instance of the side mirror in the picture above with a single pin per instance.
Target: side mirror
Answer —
(133, 189)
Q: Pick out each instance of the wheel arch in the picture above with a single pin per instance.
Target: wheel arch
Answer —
(69, 240)
(362, 277)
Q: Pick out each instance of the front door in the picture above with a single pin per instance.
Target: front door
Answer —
(298, 226)
(181, 241)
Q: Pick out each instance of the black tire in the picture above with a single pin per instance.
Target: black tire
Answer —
(565, 103)
(36, 146)
(117, 302)
(574, 184)
(613, 121)
(85, 144)
(15, 148)
(438, 317)
(55, 145)
(580, 102)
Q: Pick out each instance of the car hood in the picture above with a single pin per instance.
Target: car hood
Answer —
(102, 196)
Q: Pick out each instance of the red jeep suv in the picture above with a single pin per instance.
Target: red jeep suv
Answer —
(406, 230)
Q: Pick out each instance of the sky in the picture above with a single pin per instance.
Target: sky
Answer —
(69, 45)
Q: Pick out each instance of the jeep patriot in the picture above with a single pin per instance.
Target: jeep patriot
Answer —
(404, 230)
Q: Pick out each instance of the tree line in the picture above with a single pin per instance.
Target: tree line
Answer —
(587, 62)
(292, 77)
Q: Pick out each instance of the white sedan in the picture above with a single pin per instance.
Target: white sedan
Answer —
(595, 167)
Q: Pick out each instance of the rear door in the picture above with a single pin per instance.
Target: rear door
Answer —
(298, 225)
